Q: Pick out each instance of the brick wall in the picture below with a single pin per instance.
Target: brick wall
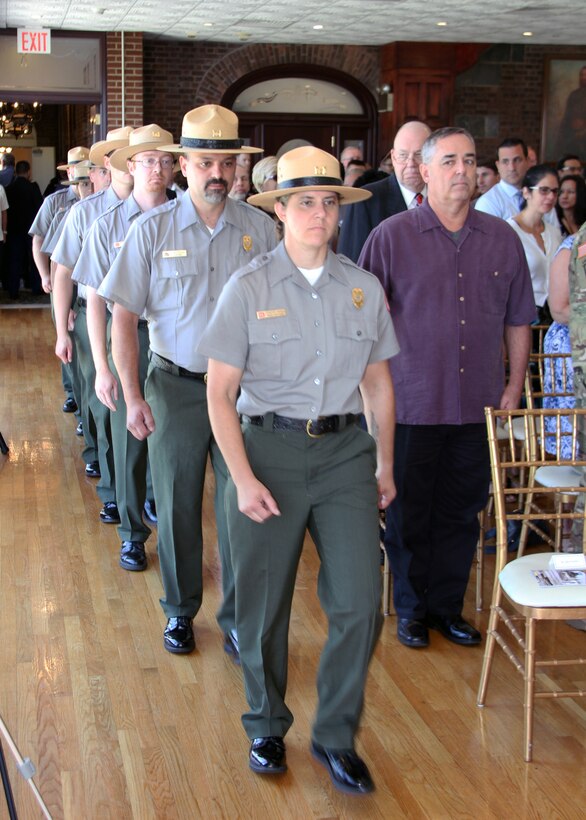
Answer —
(180, 76)
(133, 80)
(502, 95)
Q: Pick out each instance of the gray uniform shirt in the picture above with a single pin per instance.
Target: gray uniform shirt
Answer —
(76, 227)
(303, 349)
(172, 270)
(104, 240)
(59, 201)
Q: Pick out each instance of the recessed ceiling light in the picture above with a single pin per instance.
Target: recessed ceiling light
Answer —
(192, 35)
(441, 23)
(527, 34)
(208, 25)
(318, 28)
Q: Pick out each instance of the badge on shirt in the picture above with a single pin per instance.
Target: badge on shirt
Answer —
(173, 254)
(357, 298)
(271, 314)
(118, 244)
(581, 250)
(247, 242)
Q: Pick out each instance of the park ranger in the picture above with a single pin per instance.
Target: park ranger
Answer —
(299, 331)
(172, 267)
(152, 171)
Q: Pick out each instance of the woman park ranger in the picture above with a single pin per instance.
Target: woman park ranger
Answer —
(302, 333)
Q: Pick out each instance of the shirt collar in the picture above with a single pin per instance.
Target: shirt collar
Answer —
(408, 195)
(285, 268)
(428, 219)
(509, 190)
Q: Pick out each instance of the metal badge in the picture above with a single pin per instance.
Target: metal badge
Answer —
(247, 242)
(357, 298)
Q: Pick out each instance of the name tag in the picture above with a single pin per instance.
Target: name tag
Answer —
(118, 244)
(271, 314)
(173, 254)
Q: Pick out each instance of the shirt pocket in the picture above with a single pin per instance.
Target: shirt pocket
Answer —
(274, 348)
(355, 336)
(174, 277)
(493, 293)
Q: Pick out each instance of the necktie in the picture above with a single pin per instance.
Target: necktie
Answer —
(519, 199)
(418, 199)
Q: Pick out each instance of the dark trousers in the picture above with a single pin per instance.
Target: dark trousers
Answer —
(20, 265)
(442, 473)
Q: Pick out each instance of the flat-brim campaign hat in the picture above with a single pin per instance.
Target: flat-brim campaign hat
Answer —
(81, 173)
(75, 155)
(211, 129)
(147, 138)
(308, 169)
(115, 139)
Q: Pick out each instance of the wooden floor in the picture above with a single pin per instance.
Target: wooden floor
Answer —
(119, 728)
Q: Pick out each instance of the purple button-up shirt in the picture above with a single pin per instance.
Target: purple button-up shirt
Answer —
(450, 301)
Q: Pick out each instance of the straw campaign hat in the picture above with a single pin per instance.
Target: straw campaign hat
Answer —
(75, 155)
(81, 173)
(212, 129)
(308, 169)
(115, 139)
(148, 138)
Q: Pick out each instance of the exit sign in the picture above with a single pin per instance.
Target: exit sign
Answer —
(33, 41)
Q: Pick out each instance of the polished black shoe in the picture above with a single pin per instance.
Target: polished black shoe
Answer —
(412, 632)
(231, 647)
(79, 429)
(178, 636)
(93, 469)
(267, 755)
(150, 510)
(132, 556)
(69, 406)
(455, 629)
(349, 772)
(109, 513)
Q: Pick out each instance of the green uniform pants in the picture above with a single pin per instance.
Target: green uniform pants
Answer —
(131, 457)
(327, 486)
(93, 411)
(178, 453)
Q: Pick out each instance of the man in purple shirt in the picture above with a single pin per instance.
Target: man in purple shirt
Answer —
(458, 287)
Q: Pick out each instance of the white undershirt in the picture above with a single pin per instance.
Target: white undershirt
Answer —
(312, 274)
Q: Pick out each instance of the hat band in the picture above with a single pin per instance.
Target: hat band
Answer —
(301, 182)
(189, 142)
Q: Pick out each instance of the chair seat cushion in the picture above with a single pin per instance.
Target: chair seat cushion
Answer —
(558, 476)
(521, 585)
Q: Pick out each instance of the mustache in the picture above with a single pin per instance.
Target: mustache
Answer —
(216, 181)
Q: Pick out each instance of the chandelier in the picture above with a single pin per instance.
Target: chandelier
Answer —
(17, 119)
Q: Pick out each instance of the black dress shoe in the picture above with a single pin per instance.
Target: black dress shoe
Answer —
(267, 755)
(109, 513)
(69, 406)
(132, 556)
(231, 647)
(150, 510)
(349, 772)
(455, 629)
(178, 636)
(93, 469)
(79, 429)
(412, 632)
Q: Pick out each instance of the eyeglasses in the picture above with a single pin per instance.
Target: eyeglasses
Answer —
(576, 169)
(151, 162)
(403, 156)
(544, 190)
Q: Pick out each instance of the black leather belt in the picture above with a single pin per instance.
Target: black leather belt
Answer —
(174, 369)
(313, 427)
(143, 323)
(81, 302)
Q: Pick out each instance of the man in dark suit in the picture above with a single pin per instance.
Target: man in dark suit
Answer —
(24, 200)
(402, 190)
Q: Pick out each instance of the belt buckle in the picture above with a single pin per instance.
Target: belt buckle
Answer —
(308, 430)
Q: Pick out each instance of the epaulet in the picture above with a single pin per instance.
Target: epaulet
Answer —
(170, 205)
(349, 262)
(255, 264)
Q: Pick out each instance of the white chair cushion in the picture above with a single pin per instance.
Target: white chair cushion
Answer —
(558, 476)
(518, 428)
(520, 584)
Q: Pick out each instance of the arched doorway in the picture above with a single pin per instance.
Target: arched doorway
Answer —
(324, 106)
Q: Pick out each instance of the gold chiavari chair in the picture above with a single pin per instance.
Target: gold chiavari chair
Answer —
(516, 585)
